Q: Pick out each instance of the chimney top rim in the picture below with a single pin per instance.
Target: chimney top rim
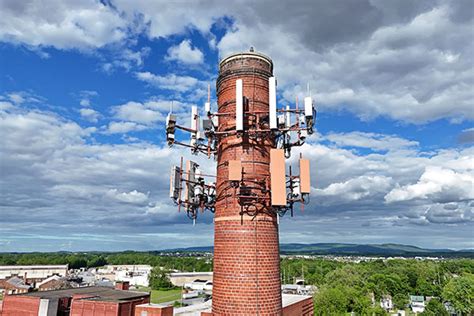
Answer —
(246, 55)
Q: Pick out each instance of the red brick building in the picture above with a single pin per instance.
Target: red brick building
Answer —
(85, 301)
(54, 283)
(298, 305)
(14, 285)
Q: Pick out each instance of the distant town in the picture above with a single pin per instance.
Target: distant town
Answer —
(181, 282)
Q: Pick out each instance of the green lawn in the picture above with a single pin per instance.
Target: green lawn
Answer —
(158, 296)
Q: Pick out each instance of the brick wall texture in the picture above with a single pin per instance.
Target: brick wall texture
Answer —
(246, 250)
(14, 305)
(150, 310)
(83, 307)
(301, 308)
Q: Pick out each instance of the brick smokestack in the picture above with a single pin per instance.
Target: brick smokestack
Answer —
(122, 285)
(246, 251)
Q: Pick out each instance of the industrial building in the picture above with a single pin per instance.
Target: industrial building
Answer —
(14, 285)
(181, 278)
(85, 301)
(136, 275)
(33, 273)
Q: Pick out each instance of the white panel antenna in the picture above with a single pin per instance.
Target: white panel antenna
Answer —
(281, 120)
(302, 123)
(194, 117)
(272, 103)
(288, 117)
(175, 183)
(215, 121)
(194, 124)
(239, 105)
(308, 107)
(207, 105)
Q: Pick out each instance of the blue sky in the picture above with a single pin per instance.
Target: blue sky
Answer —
(85, 87)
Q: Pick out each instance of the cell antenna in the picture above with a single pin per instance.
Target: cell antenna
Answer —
(208, 92)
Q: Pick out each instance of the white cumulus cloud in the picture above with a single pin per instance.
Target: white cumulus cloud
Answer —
(185, 53)
(133, 197)
(90, 114)
(438, 184)
(82, 24)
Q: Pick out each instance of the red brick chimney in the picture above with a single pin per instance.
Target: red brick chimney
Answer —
(122, 285)
(246, 277)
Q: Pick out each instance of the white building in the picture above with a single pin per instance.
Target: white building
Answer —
(134, 278)
(135, 274)
(299, 289)
(180, 278)
(33, 272)
(386, 302)
(417, 303)
(111, 268)
(199, 285)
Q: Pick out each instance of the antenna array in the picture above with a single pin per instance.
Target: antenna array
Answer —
(286, 127)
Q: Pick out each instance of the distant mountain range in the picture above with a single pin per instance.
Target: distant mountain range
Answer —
(353, 249)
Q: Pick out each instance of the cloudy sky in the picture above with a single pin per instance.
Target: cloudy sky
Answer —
(85, 86)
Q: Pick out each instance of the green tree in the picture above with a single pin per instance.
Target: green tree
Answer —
(435, 308)
(331, 301)
(76, 262)
(159, 279)
(400, 300)
(96, 261)
(427, 282)
(375, 311)
(460, 292)
(359, 302)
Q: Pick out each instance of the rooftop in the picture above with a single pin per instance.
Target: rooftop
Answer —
(287, 299)
(249, 54)
(36, 267)
(290, 299)
(417, 298)
(18, 283)
(91, 292)
(179, 274)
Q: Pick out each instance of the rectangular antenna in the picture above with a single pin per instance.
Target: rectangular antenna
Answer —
(308, 107)
(194, 125)
(305, 177)
(215, 121)
(235, 170)
(207, 124)
(288, 117)
(239, 105)
(190, 180)
(272, 102)
(175, 182)
(277, 177)
(194, 117)
(207, 107)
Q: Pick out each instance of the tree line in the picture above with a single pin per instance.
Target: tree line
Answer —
(350, 287)
(90, 260)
